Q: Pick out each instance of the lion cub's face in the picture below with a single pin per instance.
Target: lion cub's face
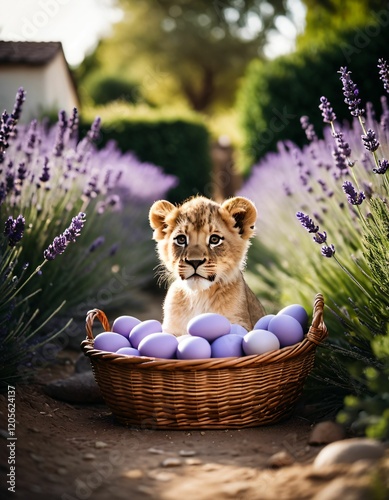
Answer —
(202, 242)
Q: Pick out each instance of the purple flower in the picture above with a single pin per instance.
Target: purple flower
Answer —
(384, 73)
(307, 222)
(326, 110)
(369, 141)
(353, 197)
(14, 229)
(45, 171)
(69, 235)
(340, 159)
(328, 251)
(19, 100)
(320, 237)
(342, 145)
(350, 92)
(96, 243)
(60, 139)
(384, 122)
(383, 166)
(309, 129)
(73, 124)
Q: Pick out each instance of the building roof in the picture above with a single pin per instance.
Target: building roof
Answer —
(29, 53)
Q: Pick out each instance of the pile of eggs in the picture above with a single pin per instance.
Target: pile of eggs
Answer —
(209, 335)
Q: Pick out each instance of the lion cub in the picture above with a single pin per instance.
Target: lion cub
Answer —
(203, 245)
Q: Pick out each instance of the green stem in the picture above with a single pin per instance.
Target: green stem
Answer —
(353, 279)
(25, 283)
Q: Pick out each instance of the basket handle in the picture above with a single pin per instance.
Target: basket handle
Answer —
(318, 330)
(90, 317)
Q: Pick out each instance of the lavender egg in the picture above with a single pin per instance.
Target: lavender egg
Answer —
(194, 348)
(287, 329)
(263, 323)
(209, 326)
(124, 325)
(297, 312)
(129, 351)
(227, 346)
(110, 341)
(143, 329)
(238, 330)
(259, 342)
(158, 345)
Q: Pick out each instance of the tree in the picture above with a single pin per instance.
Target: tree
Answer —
(195, 49)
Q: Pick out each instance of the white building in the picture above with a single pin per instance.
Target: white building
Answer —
(41, 69)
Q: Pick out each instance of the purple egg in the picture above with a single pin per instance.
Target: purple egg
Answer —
(110, 341)
(297, 312)
(129, 351)
(124, 325)
(209, 326)
(287, 329)
(158, 345)
(259, 342)
(141, 331)
(227, 346)
(237, 330)
(194, 348)
(263, 323)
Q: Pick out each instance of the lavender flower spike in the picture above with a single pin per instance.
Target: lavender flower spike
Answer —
(320, 237)
(384, 73)
(353, 197)
(369, 141)
(70, 234)
(14, 229)
(328, 251)
(307, 222)
(326, 110)
(350, 92)
(383, 166)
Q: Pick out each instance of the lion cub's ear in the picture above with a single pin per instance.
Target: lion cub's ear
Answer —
(157, 217)
(244, 213)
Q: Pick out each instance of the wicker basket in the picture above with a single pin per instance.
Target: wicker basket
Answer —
(216, 393)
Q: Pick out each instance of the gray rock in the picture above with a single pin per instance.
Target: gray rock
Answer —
(349, 451)
(79, 388)
(326, 432)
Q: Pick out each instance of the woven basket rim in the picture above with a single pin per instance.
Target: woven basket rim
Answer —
(314, 337)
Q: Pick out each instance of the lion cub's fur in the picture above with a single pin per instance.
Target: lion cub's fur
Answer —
(203, 245)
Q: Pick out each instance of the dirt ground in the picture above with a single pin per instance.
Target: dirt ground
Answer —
(70, 451)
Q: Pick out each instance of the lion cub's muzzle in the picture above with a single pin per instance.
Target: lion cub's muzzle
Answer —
(195, 268)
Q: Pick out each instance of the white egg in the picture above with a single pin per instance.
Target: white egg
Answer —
(259, 342)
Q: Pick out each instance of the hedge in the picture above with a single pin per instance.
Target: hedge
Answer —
(177, 143)
(275, 94)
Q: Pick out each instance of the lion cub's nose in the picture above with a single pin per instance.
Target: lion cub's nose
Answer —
(195, 263)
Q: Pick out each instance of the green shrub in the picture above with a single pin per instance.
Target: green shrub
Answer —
(276, 93)
(104, 89)
(177, 142)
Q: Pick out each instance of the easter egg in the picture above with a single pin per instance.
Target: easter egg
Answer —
(238, 329)
(287, 329)
(209, 326)
(110, 341)
(227, 346)
(158, 345)
(124, 325)
(297, 312)
(143, 329)
(193, 348)
(129, 351)
(259, 342)
(263, 323)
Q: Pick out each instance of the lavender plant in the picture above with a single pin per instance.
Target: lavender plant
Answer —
(47, 174)
(337, 189)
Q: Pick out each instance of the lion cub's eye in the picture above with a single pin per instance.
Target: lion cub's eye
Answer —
(181, 240)
(215, 240)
